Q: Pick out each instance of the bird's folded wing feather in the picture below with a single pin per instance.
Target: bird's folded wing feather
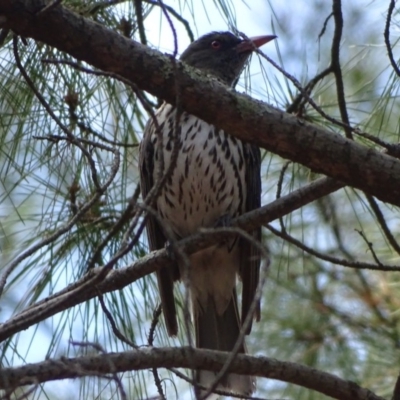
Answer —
(250, 254)
(155, 234)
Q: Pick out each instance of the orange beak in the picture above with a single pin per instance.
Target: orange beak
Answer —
(253, 43)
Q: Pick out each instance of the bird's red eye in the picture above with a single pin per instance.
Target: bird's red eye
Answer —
(215, 44)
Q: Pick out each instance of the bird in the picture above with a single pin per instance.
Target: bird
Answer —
(216, 178)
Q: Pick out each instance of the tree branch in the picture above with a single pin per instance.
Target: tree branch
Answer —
(118, 279)
(254, 121)
(73, 294)
(184, 357)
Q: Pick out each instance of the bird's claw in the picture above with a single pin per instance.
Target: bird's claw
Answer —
(224, 221)
(170, 250)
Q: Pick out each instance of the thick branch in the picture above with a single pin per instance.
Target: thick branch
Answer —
(185, 357)
(290, 137)
(118, 279)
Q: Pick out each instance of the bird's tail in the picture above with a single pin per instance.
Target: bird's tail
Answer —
(220, 332)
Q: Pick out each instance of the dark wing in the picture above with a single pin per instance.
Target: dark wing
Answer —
(155, 234)
(250, 255)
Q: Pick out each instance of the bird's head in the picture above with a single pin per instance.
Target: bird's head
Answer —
(222, 54)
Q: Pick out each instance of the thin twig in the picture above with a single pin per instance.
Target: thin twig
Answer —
(333, 260)
(336, 67)
(58, 138)
(370, 246)
(393, 149)
(386, 35)
(66, 227)
(156, 318)
(279, 189)
(114, 327)
(300, 99)
(139, 20)
(382, 222)
(176, 15)
(297, 84)
(323, 30)
(49, 110)
(116, 228)
(173, 30)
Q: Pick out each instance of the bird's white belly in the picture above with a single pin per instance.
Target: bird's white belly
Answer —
(208, 180)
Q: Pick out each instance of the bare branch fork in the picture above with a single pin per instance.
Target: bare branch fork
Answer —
(254, 121)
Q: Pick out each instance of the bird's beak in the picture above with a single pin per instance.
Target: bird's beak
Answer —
(253, 43)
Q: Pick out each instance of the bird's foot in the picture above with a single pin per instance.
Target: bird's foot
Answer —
(224, 221)
(169, 248)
